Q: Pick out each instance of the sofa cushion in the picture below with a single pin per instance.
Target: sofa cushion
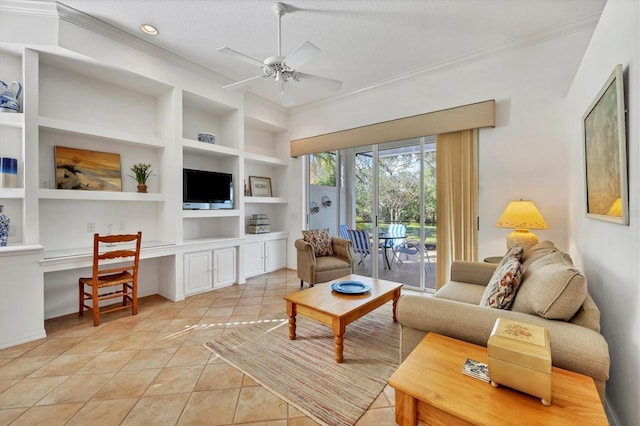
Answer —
(552, 288)
(320, 239)
(538, 251)
(588, 315)
(504, 283)
(461, 292)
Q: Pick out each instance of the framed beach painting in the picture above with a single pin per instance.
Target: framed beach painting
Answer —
(87, 170)
(605, 153)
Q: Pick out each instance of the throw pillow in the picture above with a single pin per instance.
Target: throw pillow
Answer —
(320, 239)
(503, 284)
(552, 288)
(515, 252)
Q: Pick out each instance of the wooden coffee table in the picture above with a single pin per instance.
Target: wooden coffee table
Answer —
(337, 310)
(431, 388)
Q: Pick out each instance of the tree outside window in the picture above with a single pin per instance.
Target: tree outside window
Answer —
(322, 168)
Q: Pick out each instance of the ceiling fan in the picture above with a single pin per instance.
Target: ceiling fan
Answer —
(284, 69)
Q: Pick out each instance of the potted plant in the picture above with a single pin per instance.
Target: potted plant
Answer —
(142, 172)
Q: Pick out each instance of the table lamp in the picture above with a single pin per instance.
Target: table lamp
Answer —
(522, 215)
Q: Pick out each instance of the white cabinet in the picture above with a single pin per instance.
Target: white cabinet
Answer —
(197, 272)
(254, 262)
(264, 256)
(224, 267)
(208, 269)
(276, 256)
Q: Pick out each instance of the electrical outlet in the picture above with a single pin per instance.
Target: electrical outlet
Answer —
(122, 226)
(91, 227)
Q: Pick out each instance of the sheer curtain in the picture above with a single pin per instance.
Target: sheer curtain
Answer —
(456, 188)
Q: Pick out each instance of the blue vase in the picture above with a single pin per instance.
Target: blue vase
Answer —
(4, 228)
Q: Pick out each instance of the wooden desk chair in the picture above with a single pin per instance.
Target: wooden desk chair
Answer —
(115, 267)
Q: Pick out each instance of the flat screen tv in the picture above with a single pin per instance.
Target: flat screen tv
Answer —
(203, 190)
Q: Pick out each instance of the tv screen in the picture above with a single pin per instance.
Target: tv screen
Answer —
(207, 190)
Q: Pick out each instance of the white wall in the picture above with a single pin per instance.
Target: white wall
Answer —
(326, 217)
(608, 253)
(524, 156)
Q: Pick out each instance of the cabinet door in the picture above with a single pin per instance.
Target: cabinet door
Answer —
(224, 267)
(276, 255)
(254, 257)
(197, 272)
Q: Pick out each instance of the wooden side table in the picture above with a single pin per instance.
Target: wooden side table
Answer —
(493, 259)
(431, 388)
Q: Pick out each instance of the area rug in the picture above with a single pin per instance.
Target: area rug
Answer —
(303, 372)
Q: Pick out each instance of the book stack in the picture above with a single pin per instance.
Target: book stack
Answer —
(258, 224)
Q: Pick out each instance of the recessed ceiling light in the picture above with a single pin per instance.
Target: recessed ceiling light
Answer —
(149, 29)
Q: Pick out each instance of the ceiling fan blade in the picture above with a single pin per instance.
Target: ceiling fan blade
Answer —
(286, 97)
(316, 80)
(240, 56)
(301, 55)
(241, 83)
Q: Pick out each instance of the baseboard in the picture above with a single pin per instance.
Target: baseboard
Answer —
(611, 415)
(40, 334)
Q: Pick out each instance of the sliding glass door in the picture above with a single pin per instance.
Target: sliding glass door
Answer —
(365, 247)
(386, 194)
(406, 210)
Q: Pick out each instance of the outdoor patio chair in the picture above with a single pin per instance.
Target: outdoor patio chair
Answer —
(410, 248)
(361, 243)
(344, 232)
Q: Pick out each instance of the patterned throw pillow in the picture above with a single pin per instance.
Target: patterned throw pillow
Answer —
(504, 283)
(320, 239)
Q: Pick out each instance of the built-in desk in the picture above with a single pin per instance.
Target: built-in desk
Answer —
(81, 257)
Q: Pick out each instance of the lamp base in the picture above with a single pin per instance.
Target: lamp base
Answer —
(523, 238)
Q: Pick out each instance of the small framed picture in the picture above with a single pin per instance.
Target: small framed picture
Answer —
(260, 186)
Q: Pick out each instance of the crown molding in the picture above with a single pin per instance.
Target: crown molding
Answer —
(28, 7)
(587, 23)
(113, 33)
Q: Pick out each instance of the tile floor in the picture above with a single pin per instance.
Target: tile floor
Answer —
(152, 368)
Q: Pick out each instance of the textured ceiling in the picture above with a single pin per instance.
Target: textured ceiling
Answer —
(364, 43)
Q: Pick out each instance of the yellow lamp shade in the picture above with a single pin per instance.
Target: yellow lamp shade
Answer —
(616, 208)
(522, 215)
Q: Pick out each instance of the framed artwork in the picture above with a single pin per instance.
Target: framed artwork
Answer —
(87, 170)
(605, 153)
(260, 186)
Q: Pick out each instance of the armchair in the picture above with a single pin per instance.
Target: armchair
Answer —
(318, 269)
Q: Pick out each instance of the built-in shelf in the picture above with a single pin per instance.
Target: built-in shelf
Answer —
(69, 194)
(11, 193)
(112, 134)
(12, 119)
(18, 249)
(265, 159)
(266, 236)
(265, 200)
(201, 148)
(228, 241)
(190, 214)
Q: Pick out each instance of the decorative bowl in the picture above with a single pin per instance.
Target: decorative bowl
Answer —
(207, 137)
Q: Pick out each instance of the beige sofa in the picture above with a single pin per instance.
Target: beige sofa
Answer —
(552, 294)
